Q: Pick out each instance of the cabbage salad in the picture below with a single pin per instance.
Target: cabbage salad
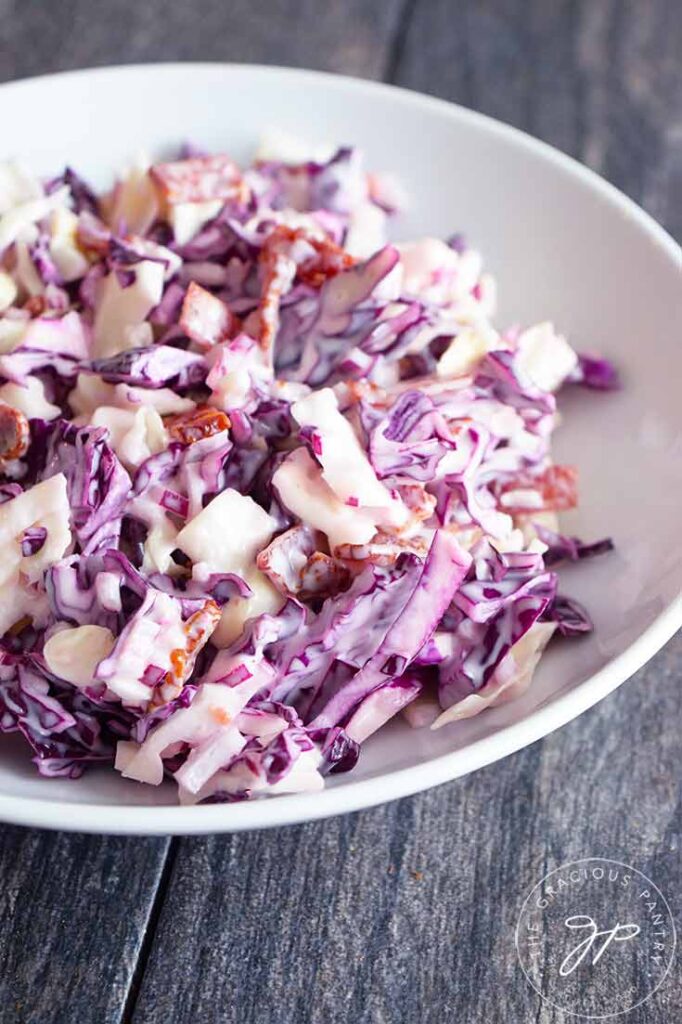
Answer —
(267, 481)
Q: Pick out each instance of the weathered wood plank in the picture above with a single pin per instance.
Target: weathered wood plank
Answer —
(353, 36)
(73, 913)
(407, 912)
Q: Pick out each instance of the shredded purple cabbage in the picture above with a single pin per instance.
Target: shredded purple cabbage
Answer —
(265, 479)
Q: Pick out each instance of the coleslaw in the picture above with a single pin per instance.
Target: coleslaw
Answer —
(267, 480)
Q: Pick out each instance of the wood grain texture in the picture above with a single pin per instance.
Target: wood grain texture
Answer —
(73, 914)
(405, 912)
(353, 36)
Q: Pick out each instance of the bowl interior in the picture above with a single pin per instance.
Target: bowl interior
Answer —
(562, 245)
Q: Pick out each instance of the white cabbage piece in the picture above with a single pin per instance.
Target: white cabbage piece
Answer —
(134, 434)
(187, 219)
(265, 599)
(303, 777)
(26, 276)
(134, 204)
(208, 724)
(8, 291)
(279, 145)
(120, 310)
(64, 250)
(29, 398)
(74, 652)
(366, 230)
(226, 536)
(11, 334)
(149, 637)
(544, 357)
(303, 490)
(465, 352)
(345, 466)
(45, 504)
(511, 678)
(17, 186)
(91, 392)
(15, 220)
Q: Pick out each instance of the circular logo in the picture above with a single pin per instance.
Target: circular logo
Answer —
(595, 938)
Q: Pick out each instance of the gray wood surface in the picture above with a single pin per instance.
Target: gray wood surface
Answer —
(405, 912)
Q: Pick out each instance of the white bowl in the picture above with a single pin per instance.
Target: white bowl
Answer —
(564, 245)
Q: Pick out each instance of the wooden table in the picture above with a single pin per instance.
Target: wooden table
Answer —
(405, 912)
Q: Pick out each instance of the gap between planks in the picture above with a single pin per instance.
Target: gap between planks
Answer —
(149, 933)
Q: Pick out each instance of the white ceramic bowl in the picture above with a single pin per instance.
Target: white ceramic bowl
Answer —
(564, 246)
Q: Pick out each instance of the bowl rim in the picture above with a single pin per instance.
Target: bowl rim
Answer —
(150, 819)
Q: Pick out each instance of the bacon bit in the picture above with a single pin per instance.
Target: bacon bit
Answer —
(190, 427)
(36, 305)
(92, 235)
(280, 270)
(361, 389)
(293, 564)
(323, 576)
(557, 487)
(221, 716)
(178, 660)
(199, 180)
(421, 504)
(205, 318)
(352, 392)
(20, 625)
(286, 556)
(14, 433)
(200, 626)
(197, 629)
(383, 549)
(329, 259)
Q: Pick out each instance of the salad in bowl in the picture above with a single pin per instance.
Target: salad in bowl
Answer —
(267, 481)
